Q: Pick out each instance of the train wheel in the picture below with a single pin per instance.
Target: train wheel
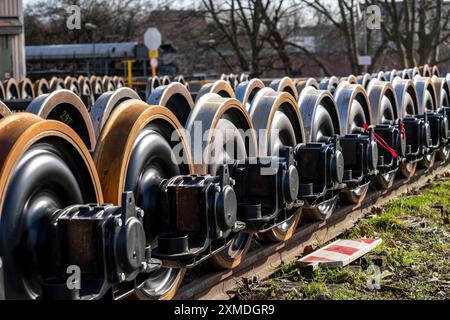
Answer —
(351, 79)
(321, 123)
(108, 84)
(285, 84)
(283, 231)
(225, 117)
(26, 89)
(408, 105)
(384, 109)
(356, 195)
(232, 256)
(105, 105)
(305, 83)
(269, 111)
(96, 85)
(428, 160)
(220, 87)
(118, 82)
(11, 89)
(246, 91)
(138, 137)
(152, 84)
(41, 86)
(65, 106)
(407, 169)
(175, 97)
(2, 92)
(384, 181)
(45, 166)
(4, 111)
(353, 105)
(180, 79)
(165, 81)
(364, 80)
(86, 94)
(72, 85)
(443, 153)
(56, 84)
(329, 84)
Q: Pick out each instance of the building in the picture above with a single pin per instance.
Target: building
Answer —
(12, 42)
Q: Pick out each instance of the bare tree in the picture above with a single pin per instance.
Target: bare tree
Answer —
(240, 22)
(279, 35)
(347, 19)
(418, 28)
(116, 20)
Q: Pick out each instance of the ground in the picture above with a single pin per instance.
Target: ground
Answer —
(411, 263)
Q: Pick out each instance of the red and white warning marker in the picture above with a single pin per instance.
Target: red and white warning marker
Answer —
(339, 253)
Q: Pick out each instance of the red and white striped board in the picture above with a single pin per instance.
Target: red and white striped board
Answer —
(339, 253)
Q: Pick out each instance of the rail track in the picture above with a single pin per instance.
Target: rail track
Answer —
(261, 261)
(133, 193)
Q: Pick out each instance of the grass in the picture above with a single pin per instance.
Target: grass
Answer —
(413, 258)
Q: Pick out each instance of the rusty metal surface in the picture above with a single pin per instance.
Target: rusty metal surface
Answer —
(187, 205)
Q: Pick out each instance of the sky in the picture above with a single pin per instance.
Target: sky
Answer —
(174, 3)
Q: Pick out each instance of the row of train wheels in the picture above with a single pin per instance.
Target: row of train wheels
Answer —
(59, 152)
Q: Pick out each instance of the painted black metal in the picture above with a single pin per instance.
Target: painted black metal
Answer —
(321, 168)
(48, 177)
(2, 281)
(203, 213)
(266, 190)
(438, 129)
(107, 242)
(418, 137)
(360, 158)
(446, 112)
(200, 218)
(392, 135)
(17, 104)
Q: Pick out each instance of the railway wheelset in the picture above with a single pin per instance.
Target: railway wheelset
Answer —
(18, 95)
(133, 193)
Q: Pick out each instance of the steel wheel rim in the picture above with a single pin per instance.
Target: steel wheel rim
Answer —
(220, 113)
(272, 110)
(129, 126)
(51, 159)
(26, 89)
(11, 89)
(444, 153)
(357, 117)
(240, 241)
(67, 107)
(106, 104)
(144, 166)
(176, 97)
(407, 169)
(323, 127)
(4, 111)
(428, 160)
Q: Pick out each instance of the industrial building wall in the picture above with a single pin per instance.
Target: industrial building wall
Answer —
(19, 71)
(10, 8)
(14, 9)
